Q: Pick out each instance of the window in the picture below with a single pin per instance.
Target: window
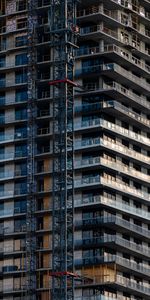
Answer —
(21, 169)
(21, 95)
(2, 117)
(21, 5)
(21, 23)
(20, 150)
(20, 187)
(2, 80)
(20, 206)
(1, 189)
(20, 132)
(2, 151)
(1, 134)
(21, 41)
(20, 114)
(21, 59)
(20, 225)
(2, 98)
(1, 209)
(2, 61)
(20, 77)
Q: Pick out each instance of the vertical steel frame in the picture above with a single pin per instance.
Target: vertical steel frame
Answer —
(62, 19)
(31, 201)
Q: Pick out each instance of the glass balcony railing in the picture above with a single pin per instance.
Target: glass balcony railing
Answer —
(116, 165)
(109, 258)
(131, 190)
(113, 127)
(127, 111)
(118, 147)
(113, 239)
(129, 284)
(102, 297)
(113, 220)
(130, 209)
(88, 142)
(16, 136)
(113, 48)
(126, 92)
(140, 82)
(98, 28)
(114, 34)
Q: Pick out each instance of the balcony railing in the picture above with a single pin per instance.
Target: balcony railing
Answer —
(128, 111)
(125, 150)
(140, 82)
(122, 168)
(102, 297)
(121, 89)
(129, 284)
(113, 220)
(95, 241)
(113, 48)
(130, 209)
(113, 127)
(109, 258)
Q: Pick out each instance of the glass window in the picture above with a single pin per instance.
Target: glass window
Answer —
(21, 187)
(20, 77)
(21, 59)
(20, 169)
(2, 61)
(20, 206)
(20, 150)
(20, 114)
(20, 132)
(21, 95)
(20, 225)
(2, 80)
(2, 98)
(21, 41)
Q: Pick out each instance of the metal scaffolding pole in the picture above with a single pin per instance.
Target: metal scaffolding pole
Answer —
(62, 40)
(31, 202)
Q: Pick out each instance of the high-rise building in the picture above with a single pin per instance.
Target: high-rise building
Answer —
(112, 128)
(111, 149)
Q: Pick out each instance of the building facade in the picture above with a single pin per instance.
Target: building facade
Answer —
(112, 128)
(112, 150)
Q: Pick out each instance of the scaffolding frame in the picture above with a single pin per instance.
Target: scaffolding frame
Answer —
(31, 188)
(62, 19)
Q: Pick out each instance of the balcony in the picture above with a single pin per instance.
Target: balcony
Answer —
(117, 205)
(119, 148)
(130, 247)
(13, 137)
(127, 57)
(120, 261)
(118, 280)
(99, 122)
(116, 72)
(88, 143)
(116, 165)
(102, 297)
(110, 36)
(43, 131)
(119, 89)
(115, 222)
(98, 31)
(128, 93)
(112, 104)
(11, 212)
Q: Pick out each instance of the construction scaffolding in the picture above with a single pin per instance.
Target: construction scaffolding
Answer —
(31, 201)
(63, 42)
